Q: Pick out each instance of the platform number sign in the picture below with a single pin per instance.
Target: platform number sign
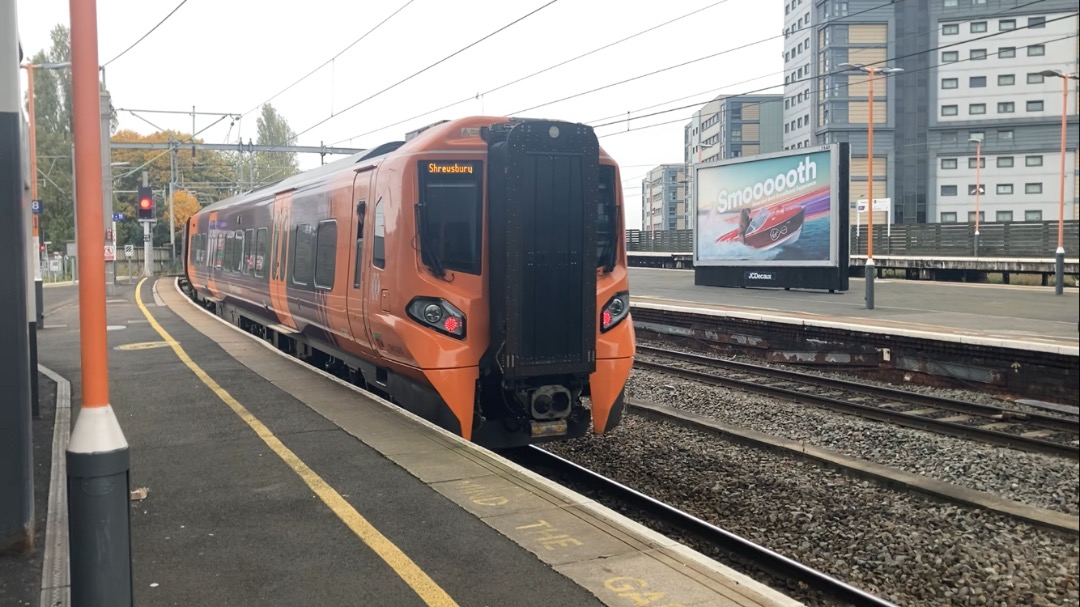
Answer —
(36, 206)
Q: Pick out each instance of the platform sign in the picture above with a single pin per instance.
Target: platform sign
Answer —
(110, 252)
(36, 206)
(129, 251)
(773, 220)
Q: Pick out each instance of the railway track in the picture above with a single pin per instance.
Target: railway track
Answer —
(1033, 432)
(741, 549)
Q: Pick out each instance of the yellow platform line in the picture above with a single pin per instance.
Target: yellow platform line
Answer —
(410, 573)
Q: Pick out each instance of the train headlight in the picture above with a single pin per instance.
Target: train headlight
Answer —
(437, 314)
(614, 311)
(433, 313)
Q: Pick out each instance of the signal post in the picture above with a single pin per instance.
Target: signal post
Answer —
(146, 218)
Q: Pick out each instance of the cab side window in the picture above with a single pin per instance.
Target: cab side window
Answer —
(379, 242)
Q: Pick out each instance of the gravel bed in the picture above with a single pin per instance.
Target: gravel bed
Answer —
(973, 395)
(903, 547)
(1031, 478)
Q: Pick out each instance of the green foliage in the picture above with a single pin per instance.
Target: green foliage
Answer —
(271, 167)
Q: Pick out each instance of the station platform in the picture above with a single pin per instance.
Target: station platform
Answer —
(272, 483)
(1020, 317)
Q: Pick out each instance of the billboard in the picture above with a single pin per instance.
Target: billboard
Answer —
(772, 210)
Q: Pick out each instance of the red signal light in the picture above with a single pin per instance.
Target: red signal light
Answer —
(146, 203)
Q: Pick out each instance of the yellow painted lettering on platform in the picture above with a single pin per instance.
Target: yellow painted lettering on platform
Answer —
(549, 536)
(631, 588)
(480, 495)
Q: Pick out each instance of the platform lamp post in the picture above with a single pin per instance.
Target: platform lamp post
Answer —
(871, 271)
(1059, 256)
(978, 186)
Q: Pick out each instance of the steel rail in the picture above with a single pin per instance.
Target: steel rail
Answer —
(760, 556)
(901, 418)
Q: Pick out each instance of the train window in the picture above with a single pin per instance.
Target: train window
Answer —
(378, 257)
(605, 220)
(260, 251)
(238, 251)
(219, 250)
(249, 247)
(326, 254)
(303, 254)
(449, 215)
(230, 252)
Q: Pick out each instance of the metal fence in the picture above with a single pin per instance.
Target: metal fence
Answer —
(1036, 239)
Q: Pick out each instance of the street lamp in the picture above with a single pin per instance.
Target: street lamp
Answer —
(978, 185)
(1059, 261)
(870, 269)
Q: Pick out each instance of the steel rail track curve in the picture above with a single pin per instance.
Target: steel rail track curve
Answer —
(918, 419)
(760, 556)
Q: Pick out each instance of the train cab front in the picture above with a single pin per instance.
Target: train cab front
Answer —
(551, 228)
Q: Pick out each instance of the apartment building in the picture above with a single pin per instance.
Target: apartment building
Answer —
(663, 199)
(732, 126)
(925, 115)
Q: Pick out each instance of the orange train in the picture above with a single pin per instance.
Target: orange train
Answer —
(474, 274)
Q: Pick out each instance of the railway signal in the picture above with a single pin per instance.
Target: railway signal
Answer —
(146, 204)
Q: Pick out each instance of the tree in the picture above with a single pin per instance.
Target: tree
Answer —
(185, 204)
(273, 129)
(205, 174)
(53, 136)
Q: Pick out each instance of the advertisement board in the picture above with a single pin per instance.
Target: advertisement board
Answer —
(764, 217)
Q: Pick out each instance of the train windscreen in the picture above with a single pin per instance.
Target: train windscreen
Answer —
(449, 216)
(605, 220)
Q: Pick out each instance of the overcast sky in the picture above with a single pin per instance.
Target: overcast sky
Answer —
(231, 56)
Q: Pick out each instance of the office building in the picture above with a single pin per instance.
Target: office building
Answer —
(663, 199)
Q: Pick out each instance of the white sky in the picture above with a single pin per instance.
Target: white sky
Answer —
(232, 55)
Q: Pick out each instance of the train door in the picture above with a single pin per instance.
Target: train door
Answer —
(360, 264)
(279, 262)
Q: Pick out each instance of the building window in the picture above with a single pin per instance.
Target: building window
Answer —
(978, 108)
(1035, 78)
(948, 217)
(1034, 106)
(950, 83)
(949, 3)
(1007, 52)
(1036, 50)
(971, 216)
(948, 163)
(976, 135)
(978, 27)
(1005, 135)
(1006, 24)
(977, 54)
(948, 110)
(948, 190)
(971, 162)
(1033, 188)
(1004, 188)
(1006, 107)
(1032, 215)
(949, 137)
(950, 29)
(1004, 162)
(977, 82)
(1006, 79)
(954, 56)
(1036, 22)
(1033, 161)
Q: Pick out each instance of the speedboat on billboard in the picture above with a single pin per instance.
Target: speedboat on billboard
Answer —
(767, 228)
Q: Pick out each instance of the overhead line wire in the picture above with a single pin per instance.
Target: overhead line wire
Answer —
(415, 74)
(683, 119)
(537, 73)
(621, 115)
(330, 60)
(182, 2)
